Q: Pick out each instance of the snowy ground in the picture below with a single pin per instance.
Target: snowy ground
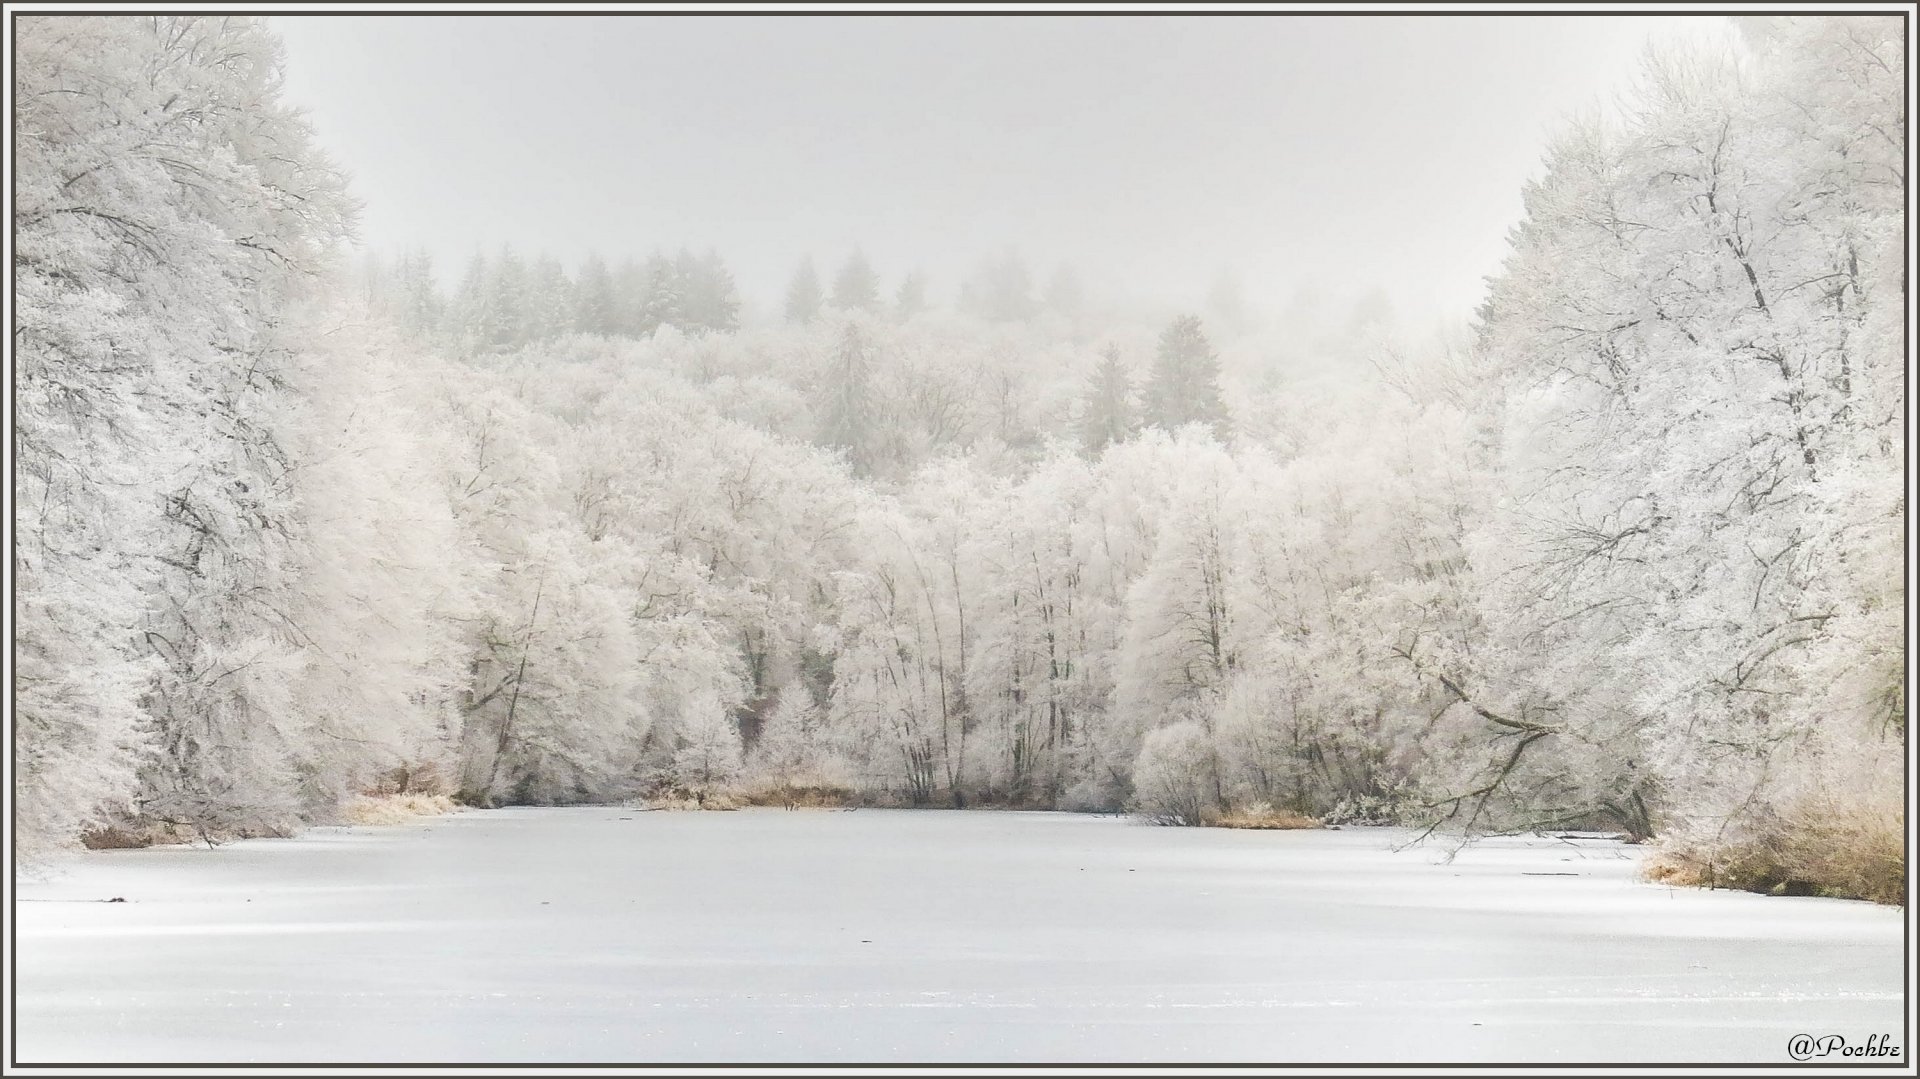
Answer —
(608, 935)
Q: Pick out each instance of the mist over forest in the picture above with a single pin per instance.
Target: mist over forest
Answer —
(301, 523)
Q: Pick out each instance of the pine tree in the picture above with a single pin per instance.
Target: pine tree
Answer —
(593, 302)
(1002, 291)
(550, 300)
(713, 302)
(417, 295)
(686, 279)
(1108, 416)
(857, 287)
(663, 303)
(803, 293)
(912, 297)
(469, 306)
(846, 413)
(630, 299)
(505, 307)
(1184, 386)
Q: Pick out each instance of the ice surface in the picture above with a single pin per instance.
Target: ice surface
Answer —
(609, 935)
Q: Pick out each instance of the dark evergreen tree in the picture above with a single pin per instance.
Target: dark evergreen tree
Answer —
(467, 319)
(1184, 386)
(1108, 415)
(549, 300)
(803, 293)
(663, 301)
(857, 287)
(417, 300)
(846, 411)
(712, 301)
(1002, 291)
(630, 299)
(593, 302)
(504, 308)
(911, 298)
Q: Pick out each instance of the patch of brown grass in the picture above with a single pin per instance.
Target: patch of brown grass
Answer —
(383, 809)
(117, 837)
(1856, 851)
(144, 832)
(1260, 816)
(1667, 867)
(1851, 851)
(802, 797)
(677, 802)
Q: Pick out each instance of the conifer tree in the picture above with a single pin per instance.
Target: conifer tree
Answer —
(803, 293)
(911, 298)
(593, 307)
(857, 287)
(1108, 416)
(846, 413)
(713, 301)
(662, 303)
(1184, 386)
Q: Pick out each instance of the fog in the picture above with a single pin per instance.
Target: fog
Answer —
(1333, 153)
(664, 415)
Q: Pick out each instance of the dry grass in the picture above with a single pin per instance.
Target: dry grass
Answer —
(380, 809)
(136, 834)
(1667, 867)
(1858, 851)
(802, 797)
(1850, 851)
(686, 802)
(1260, 816)
(119, 837)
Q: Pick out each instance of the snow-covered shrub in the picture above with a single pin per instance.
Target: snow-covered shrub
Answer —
(708, 761)
(1174, 780)
(1367, 810)
(792, 762)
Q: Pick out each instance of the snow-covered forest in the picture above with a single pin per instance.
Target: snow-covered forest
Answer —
(296, 524)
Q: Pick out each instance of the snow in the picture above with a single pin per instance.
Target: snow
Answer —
(612, 935)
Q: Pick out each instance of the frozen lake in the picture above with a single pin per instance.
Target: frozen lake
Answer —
(609, 935)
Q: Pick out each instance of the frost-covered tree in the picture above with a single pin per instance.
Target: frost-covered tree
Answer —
(1697, 333)
(383, 588)
(169, 206)
(712, 299)
(708, 760)
(1631, 559)
(549, 300)
(594, 309)
(506, 316)
(416, 304)
(462, 327)
(1174, 777)
(663, 299)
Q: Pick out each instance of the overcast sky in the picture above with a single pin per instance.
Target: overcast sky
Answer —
(1149, 152)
